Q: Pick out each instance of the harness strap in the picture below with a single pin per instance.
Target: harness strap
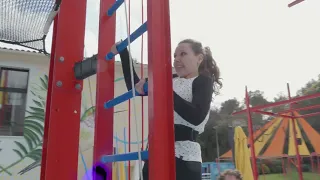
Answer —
(184, 133)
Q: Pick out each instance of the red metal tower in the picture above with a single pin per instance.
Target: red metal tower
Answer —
(61, 137)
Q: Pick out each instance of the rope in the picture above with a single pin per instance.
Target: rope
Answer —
(129, 103)
(133, 92)
(81, 154)
(142, 101)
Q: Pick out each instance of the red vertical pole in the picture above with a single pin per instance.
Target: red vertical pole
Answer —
(61, 141)
(318, 163)
(48, 102)
(251, 138)
(288, 165)
(295, 137)
(283, 167)
(103, 139)
(161, 128)
(312, 164)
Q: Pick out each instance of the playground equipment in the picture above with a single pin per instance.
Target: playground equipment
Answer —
(285, 120)
(62, 88)
(295, 3)
(65, 86)
(211, 170)
(67, 71)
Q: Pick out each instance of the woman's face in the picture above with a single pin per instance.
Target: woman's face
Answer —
(186, 62)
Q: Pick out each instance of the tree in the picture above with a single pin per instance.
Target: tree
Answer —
(230, 106)
(207, 138)
(135, 60)
(257, 98)
(218, 123)
(311, 87)
(280, 97)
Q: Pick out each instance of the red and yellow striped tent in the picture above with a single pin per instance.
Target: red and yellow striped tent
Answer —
(270, 140)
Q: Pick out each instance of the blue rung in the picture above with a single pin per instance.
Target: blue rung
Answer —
(124, 97)
(114, 7)
(124, 157)
(120, 47)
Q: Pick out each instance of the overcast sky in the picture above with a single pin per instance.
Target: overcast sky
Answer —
(261, 44)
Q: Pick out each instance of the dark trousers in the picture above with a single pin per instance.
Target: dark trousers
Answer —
(185, 170)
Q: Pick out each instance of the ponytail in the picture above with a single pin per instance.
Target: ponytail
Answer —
(209, 68)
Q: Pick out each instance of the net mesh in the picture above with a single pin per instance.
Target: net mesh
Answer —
(23, 22)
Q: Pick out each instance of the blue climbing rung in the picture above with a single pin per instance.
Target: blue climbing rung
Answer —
(121, 46)
(124, 157)
(124, 97)
(114, 7)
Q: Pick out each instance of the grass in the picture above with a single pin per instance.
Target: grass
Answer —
(291, 176)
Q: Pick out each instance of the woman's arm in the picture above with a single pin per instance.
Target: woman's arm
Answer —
(195, 111)
(125, 62)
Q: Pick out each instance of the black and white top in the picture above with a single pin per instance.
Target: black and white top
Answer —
(192, 99)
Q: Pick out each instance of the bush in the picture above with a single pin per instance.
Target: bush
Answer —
(306, 167)
(266, 169)
(276, 169)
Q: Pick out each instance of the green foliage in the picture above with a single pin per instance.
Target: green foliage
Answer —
(34, 124)
(257, 98)
(290, 176)
(274, 165)
(264, 169)
(276, 169)
(311, 87)
(280, 97)
(306, 167)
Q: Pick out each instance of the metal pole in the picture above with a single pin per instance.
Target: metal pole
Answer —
(251, 138)
(160, 98)
(295, 138)
(217, 143)
(103, 137)
(64, 95)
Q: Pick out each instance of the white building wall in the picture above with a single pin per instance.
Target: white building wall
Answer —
(38, 65)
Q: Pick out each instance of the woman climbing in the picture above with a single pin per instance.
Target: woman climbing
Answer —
(197, 78)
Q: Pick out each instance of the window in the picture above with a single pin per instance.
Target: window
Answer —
(13, 98)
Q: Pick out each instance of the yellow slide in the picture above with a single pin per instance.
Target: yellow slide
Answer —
(242, 154)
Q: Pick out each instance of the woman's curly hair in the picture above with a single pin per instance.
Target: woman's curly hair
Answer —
(235, 173)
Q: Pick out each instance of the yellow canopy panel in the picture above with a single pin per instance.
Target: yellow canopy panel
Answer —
(275, 149)
(312, 134)
(303, 150)
(264, 138)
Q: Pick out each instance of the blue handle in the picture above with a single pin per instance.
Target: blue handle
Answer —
(114, 7)
(124, 97)
(124, 157)
(121, 46)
